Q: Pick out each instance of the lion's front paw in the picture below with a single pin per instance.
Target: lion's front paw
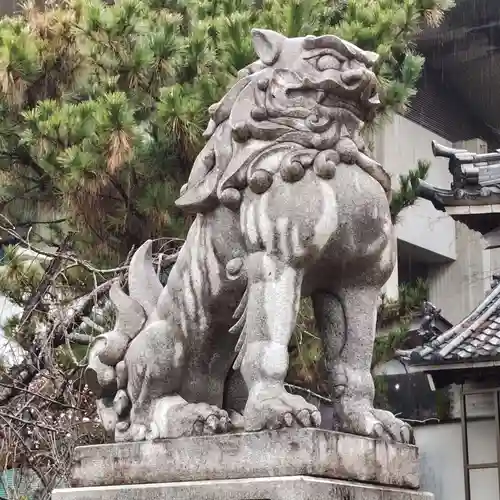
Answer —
(189, 419)
(130, 432)
(375, 423)
(276, 408)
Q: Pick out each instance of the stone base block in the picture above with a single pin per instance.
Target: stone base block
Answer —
(284, 488)
(288, 452)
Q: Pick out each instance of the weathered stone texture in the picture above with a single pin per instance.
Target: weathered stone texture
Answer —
(287, 452)
(285, 488)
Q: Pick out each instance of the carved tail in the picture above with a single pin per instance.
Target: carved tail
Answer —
(133, 311)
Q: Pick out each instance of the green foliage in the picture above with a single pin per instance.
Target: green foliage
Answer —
(408, 185)
(386, 345)
(17, 276)
(306, 350)
(410, 299)
(102, 106)
(10, 326)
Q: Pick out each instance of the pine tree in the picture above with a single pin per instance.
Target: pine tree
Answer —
(102, 108)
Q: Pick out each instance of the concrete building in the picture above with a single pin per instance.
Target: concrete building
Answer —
(457, 105)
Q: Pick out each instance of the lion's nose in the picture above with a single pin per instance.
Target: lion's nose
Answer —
(353, 76)
(364, 81)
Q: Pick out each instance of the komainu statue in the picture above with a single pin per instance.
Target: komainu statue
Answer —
(288, 204)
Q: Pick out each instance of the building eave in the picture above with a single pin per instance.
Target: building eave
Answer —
(474, 194)
(474, 341)
(455, 365)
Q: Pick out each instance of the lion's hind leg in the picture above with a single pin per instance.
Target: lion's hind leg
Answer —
(156, 364)
(347, 325)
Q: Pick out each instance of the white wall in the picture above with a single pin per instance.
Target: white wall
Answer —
(462, 269)
(399, 146)
(441, 462)
(459, 287)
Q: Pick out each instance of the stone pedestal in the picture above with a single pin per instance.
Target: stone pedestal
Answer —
(292, 464)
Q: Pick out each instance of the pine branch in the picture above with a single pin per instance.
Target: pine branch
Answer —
(30, 223)
(25, 159)
(61, 255)
(407, 195)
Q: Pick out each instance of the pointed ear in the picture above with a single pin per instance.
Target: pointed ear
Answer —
(268, 45)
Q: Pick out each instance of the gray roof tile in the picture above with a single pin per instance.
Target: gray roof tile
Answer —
(480, 343)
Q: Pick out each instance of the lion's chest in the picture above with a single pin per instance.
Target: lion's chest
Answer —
(364, 222)
(346, 216)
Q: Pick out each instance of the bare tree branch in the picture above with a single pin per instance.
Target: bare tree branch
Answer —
(28, 422)
(46, 410)
(167, 260)
(36, 297)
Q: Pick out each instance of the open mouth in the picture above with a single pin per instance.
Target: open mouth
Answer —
(330, 100)
(359, 109)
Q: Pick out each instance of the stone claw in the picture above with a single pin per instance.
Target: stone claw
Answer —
(212, 423)
(304, 418)
(200, 419)
(316, 418)
(276, 409)
(288, 419)
(198, 427)
(407, 435)
(123, 425)
(224, 424)
(378, 430)
(379, 424)
(132, 432)
(173, 417)
(121, 402)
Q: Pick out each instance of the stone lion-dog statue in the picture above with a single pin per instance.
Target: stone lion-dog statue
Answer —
(288, 203)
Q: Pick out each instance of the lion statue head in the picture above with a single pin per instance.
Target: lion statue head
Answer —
(311, 93)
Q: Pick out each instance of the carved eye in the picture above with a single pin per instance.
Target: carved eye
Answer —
(327, 62)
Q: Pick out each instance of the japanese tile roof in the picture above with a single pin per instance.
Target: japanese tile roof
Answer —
(475, 338)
